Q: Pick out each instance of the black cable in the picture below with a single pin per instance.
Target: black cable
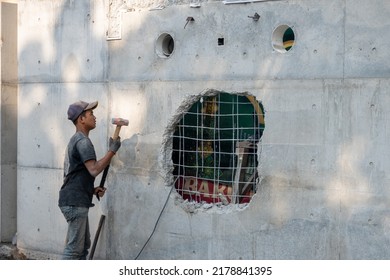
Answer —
(155, 226)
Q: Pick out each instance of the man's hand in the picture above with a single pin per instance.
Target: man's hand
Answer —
(114, 145)
(99, 192)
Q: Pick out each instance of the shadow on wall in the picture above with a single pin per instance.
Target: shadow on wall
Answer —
(64, 62)
(58, 64)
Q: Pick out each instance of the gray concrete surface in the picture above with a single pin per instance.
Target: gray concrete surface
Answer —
(323, 157)
(8, 101)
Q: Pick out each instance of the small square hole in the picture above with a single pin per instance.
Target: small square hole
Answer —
(221, 41)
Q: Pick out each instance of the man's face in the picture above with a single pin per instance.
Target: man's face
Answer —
(89, 119)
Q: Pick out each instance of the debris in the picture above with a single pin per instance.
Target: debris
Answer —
(159, 7)
(207, 206)
(10, 252)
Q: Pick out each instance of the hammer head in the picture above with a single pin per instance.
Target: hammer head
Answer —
(120, 121)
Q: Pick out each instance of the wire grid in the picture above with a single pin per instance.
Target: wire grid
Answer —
(215, 150)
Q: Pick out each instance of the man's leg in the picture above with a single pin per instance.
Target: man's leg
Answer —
(87, 241)
(78, 232)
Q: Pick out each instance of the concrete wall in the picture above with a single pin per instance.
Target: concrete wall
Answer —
(324, 154)
(9, 73)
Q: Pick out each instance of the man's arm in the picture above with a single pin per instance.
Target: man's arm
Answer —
(95, 167)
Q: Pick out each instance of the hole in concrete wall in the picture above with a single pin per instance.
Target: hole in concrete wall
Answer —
(215, 145)
(283, 38)
(221, 41)
(165, 45)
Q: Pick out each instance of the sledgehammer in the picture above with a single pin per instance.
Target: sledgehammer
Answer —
(119, 123)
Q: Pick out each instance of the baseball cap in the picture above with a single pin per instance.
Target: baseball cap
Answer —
(75, 109)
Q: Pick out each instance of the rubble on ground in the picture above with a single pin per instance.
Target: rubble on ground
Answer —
(10, 252)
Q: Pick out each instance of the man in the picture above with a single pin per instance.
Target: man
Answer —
(80, 170)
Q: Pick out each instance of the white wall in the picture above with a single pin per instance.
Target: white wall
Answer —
(324, 152)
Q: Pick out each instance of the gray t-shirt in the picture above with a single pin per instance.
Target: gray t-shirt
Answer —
(78, 186)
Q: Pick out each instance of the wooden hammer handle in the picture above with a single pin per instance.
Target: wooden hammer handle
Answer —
(116, 133)
(101, 222)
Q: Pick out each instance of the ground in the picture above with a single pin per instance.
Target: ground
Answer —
(10, 252)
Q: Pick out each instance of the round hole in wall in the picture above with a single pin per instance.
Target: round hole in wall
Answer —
(165, 45)
(283, 38)
(215, 148)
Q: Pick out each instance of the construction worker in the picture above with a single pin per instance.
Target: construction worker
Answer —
(80, 169)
